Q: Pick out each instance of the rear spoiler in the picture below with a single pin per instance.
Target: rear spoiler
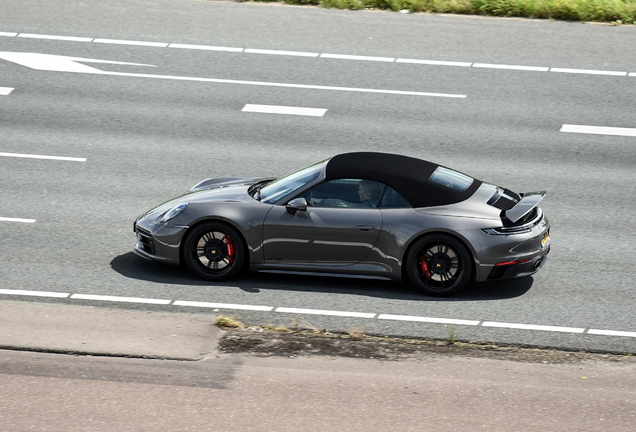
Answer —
(523, 207)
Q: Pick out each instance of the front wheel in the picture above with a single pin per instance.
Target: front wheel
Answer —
(439, 265)
(214, 251)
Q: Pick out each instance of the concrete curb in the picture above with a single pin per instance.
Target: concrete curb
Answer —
(91, 330)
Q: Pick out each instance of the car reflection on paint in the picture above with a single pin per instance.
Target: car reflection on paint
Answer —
(363, 214)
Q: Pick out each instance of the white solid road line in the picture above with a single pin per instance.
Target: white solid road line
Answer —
(324, 55)
(357, 57)
(598, 130)
(511, 67)
(273, 109)
(34, 293)
(5, 91)
(321, 312)
(6, 219)
(534, 327)
(589, 72)
(276, 52)
(286, 85)
(120, 299)
(70, 64)
(612, 333)
(428, 320)
(31, 156)
(325, 312)
(434, 62)
(223, 306)
(205, 47)
(127, 42)
(52, 37)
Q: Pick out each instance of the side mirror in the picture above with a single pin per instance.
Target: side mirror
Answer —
(297, 204)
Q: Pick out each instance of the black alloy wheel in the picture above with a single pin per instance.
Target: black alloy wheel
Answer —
(439, 265)
(214, 251)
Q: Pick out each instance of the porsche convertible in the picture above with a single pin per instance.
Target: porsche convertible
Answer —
(372, 215)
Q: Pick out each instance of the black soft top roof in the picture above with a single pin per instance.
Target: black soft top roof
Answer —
(410, 177)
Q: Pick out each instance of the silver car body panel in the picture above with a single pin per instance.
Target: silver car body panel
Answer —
(369, 242)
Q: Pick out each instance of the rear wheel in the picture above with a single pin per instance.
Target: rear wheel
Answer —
(439, 265)
(214, 251)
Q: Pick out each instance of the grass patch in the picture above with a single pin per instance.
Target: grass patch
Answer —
(616, 12)
(227, 322)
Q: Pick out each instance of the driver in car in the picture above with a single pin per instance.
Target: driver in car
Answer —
(368, 191)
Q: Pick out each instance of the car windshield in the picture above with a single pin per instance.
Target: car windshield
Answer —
(451, 178)
(288, 184)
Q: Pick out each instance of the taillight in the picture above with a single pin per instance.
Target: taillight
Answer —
(506, 263)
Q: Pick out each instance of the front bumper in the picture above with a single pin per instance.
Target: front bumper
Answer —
(158, 242)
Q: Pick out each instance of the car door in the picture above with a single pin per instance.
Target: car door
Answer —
(341, 231)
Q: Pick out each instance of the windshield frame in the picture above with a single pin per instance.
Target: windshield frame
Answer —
(287, 187)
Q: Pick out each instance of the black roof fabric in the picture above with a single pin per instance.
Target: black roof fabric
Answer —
(407, 175)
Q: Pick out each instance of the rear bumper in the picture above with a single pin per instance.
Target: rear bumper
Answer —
(519, 270)
(514, 255)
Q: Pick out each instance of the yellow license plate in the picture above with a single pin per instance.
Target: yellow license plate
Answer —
(545, 239)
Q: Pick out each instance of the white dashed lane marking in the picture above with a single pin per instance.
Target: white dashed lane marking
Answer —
(31, 156)
(511, 67)
(5, 91)
(357, 57)
(52, 37)
(598, 130)
(8, 219)
(34, 293)
(322, 55)
(272, 109)
(589, 72)
(275, 52)
(434, 62)
(612, 333)
(428, 320)
(223, 306)
(367, 315)
(127, 42)
(120, 299)
(325, 312)
(534, 327)
(205, 47)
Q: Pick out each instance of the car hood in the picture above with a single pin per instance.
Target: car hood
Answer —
(218, 190)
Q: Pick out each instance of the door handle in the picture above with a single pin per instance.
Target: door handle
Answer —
(368, 228)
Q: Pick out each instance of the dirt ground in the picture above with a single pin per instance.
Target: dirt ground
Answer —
(261, 341)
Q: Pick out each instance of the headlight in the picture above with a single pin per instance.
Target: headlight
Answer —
(174, 212)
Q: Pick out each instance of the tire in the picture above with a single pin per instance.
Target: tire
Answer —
(214, 251)
(439, 265)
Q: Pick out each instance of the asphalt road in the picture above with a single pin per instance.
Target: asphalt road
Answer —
(147, 139)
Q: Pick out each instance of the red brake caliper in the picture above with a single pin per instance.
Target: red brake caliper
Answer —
(425, 270)
(230, 248)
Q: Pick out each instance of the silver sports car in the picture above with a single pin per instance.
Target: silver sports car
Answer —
(364, 214)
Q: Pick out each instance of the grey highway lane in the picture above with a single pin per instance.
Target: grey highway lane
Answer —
(146, 139)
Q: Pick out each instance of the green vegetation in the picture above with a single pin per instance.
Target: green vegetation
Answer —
(227, 322)
(452, 333)
(616, 12)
